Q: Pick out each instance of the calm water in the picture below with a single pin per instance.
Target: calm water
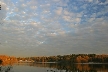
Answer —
(54, 67)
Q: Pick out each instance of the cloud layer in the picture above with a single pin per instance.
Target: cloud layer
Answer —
(52, 27)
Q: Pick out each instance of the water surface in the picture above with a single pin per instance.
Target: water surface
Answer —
(54, 67)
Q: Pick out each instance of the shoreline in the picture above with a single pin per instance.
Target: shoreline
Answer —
(56, 62)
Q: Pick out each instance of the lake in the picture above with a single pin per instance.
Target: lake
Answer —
(54, 67)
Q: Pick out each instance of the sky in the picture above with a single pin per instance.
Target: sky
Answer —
(53, 27)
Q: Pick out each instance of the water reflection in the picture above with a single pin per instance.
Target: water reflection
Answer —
(6, 68)
(54, 67)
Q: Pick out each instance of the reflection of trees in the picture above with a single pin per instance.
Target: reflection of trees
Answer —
(73, 67)
(83, 67)
(5, 68)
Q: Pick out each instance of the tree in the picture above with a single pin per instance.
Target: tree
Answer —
(1, 61)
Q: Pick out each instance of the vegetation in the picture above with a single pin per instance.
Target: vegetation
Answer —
(1, 61)
(65, 59)
(4, 60)
(65, 62)
(69, 59)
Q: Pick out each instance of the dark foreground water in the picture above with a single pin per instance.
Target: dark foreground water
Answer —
(54, 67)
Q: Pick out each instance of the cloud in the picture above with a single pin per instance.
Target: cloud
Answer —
(87, 39)
(62, 26)
(3, 10)
(59, 11)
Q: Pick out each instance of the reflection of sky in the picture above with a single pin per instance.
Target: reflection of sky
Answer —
(52, 27)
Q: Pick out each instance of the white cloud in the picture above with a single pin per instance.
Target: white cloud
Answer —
(56, 0)
(90, 0)
(91, 19)
(23, 5)
(59, 10)
(33, 7)
(72, 20)
(78, 20)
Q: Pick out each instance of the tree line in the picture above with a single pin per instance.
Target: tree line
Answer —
(72, 58)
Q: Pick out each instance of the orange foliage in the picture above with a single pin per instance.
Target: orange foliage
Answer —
(7, 59)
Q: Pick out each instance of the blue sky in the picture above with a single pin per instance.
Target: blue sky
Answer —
(53, 27)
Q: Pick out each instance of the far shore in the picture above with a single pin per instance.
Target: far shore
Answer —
(58, 62)
(90, 63)
(34, 62)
